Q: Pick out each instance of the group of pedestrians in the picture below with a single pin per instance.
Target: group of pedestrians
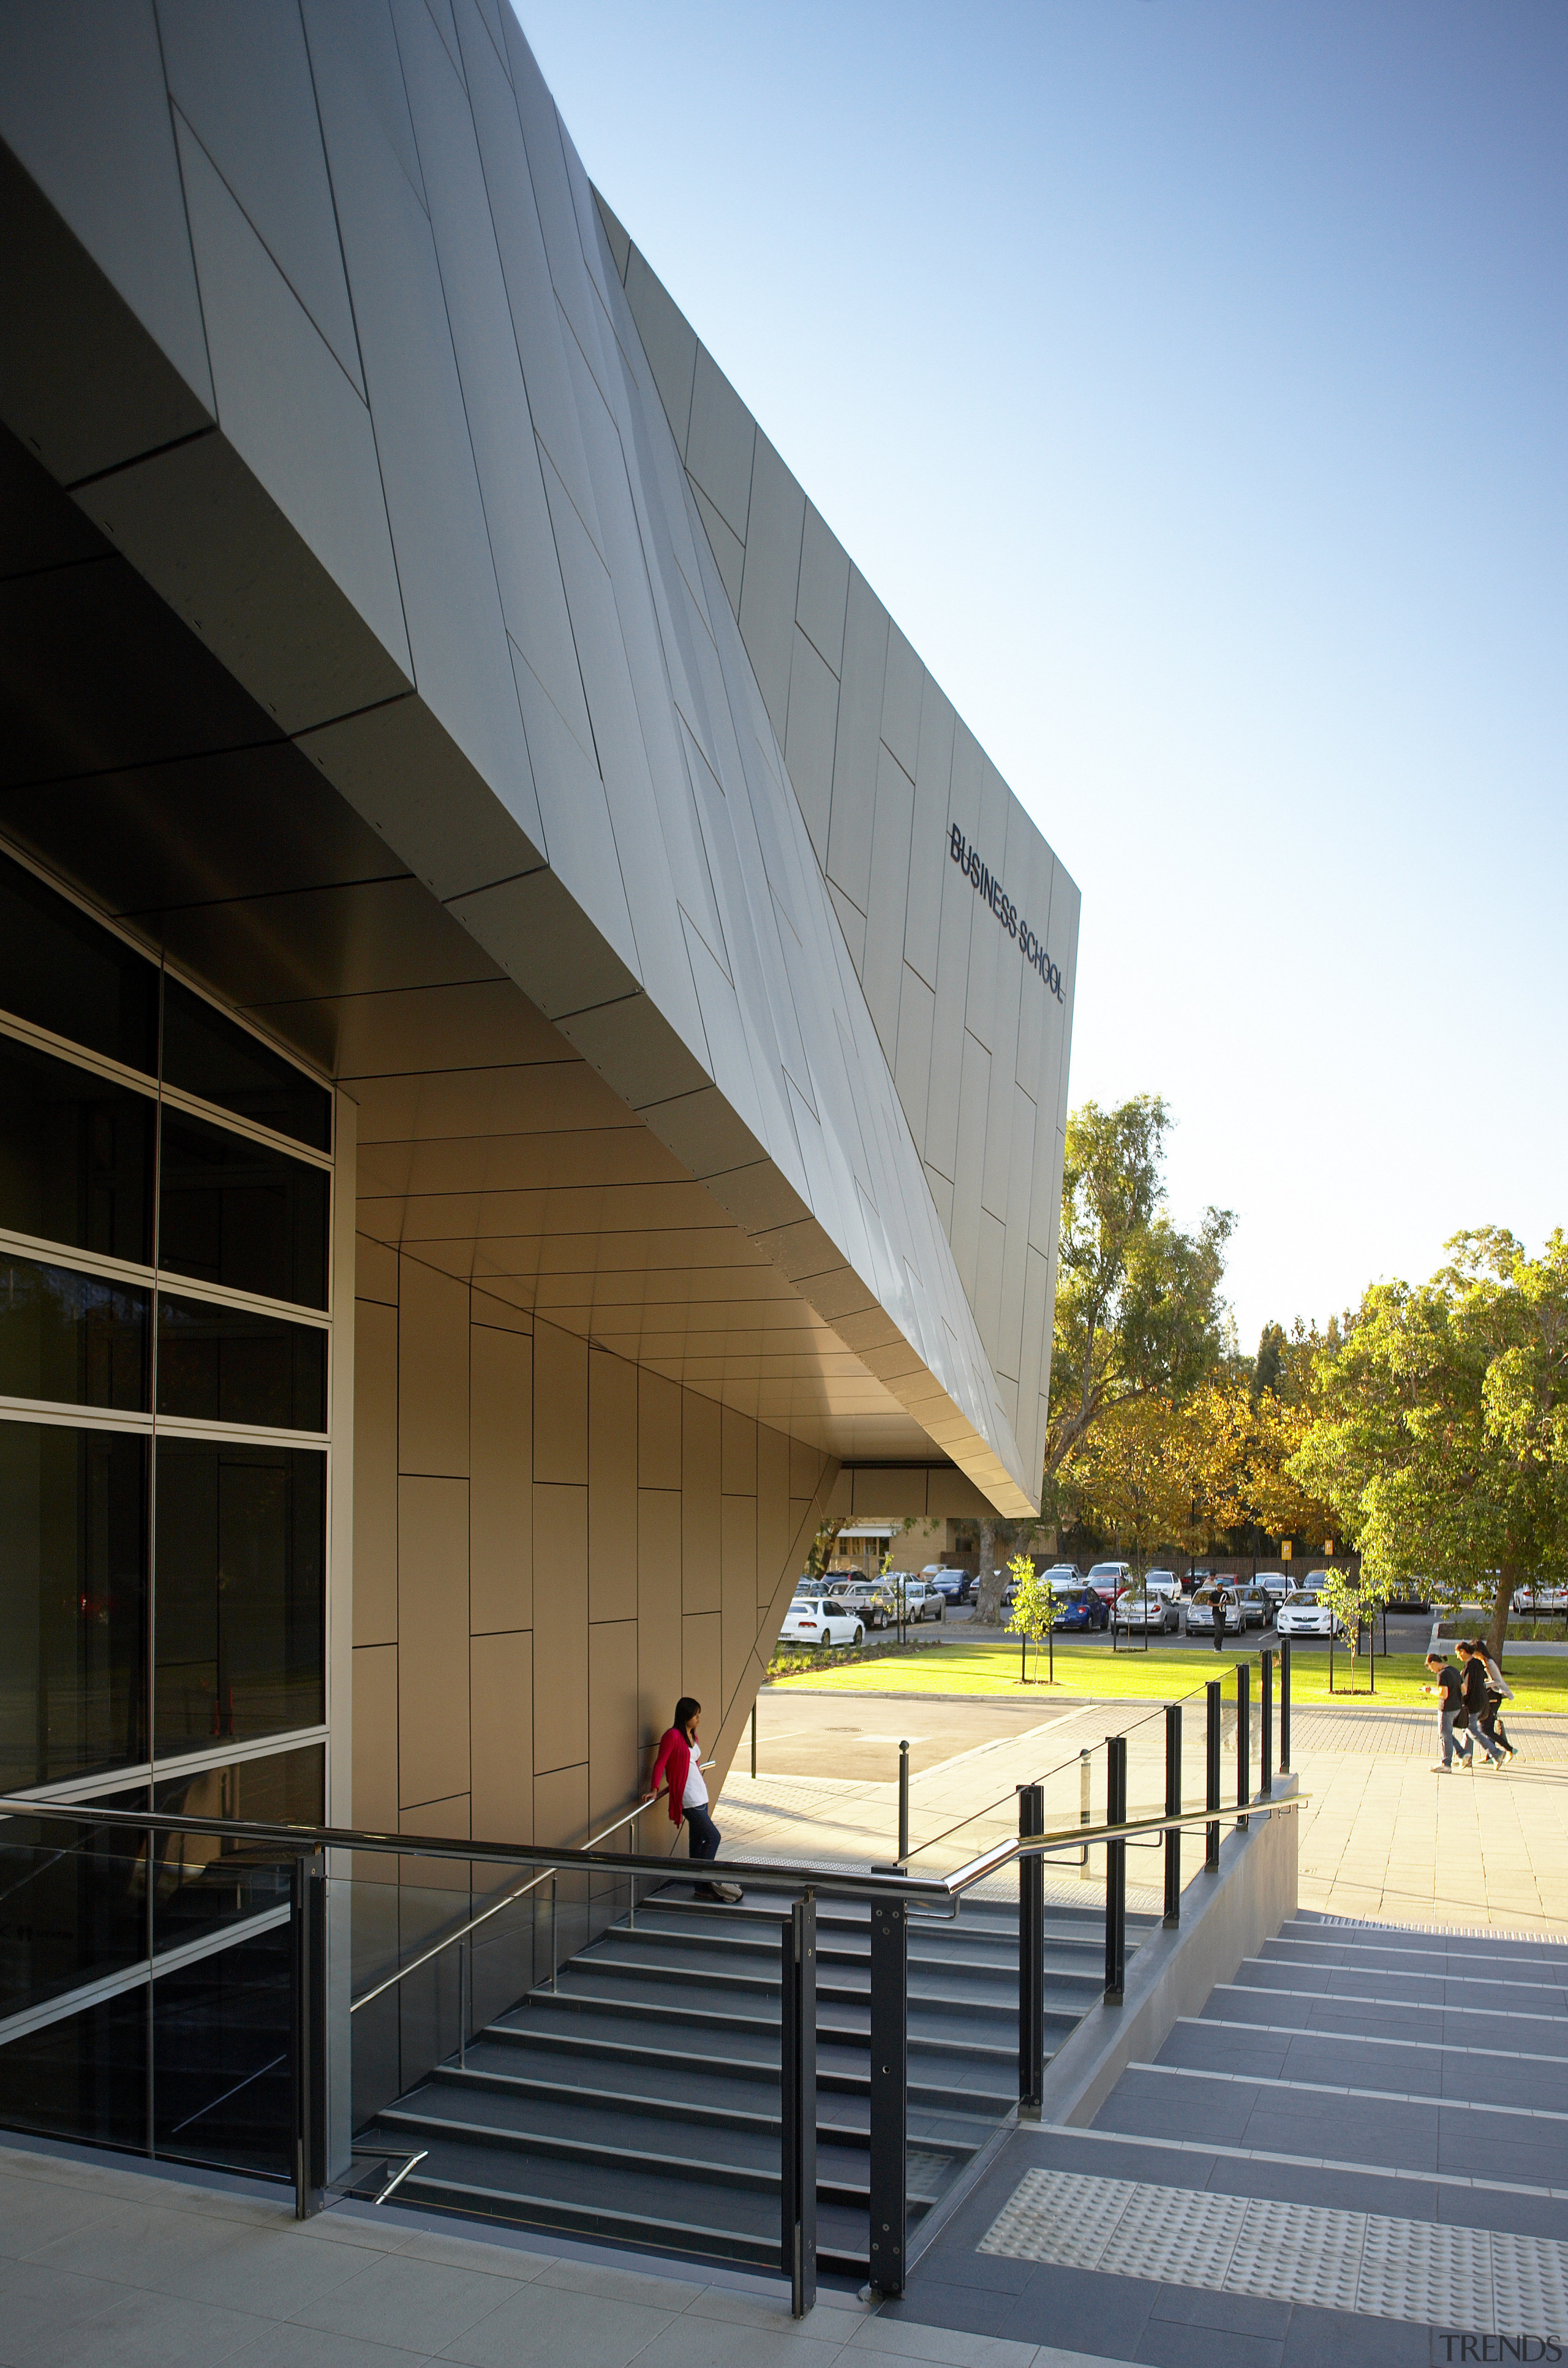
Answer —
(1469, 1706)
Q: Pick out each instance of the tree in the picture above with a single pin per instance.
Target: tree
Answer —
(1034, 1608)
(1138, 1305)
(1128, 1478)
(995, 1532)
(1440, 1424)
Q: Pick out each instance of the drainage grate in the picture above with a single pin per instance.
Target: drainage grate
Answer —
(1479, 2281)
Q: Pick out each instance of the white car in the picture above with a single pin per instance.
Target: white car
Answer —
(821, 1619)
(1305, 1614)
(1108, 1579)
(1163, 1582)
(1280, 1584)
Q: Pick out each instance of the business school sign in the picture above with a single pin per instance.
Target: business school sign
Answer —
(988, 888)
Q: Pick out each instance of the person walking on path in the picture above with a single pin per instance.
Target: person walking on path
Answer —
(1498, 1692)
(679, 1763)
(1452, 1718)
(1479, 1701)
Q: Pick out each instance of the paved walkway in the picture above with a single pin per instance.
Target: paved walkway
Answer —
(104, 2268)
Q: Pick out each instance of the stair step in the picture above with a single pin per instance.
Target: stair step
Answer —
(706, 2019)
(832, 2077)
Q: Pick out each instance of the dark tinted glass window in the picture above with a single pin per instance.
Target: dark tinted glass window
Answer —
(73, 1902)
(76, 1156)
(84, 2077)
(241, 1585)
(225, 1364)
(61, 971)
(201, 1884)
(73, 1601)
(231, 1212)
(72, 1337)
(209, 1054)
(221, 2084)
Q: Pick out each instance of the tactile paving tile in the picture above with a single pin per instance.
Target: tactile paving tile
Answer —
(1297, 2252)
(1529, 2285)
(1176, 2237)
(1417, 2270)
(1061, 2216)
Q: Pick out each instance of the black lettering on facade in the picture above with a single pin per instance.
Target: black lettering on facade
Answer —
(991, 892)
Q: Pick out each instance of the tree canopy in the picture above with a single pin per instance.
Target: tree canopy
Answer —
(1440, 1424)
(1138, 1303)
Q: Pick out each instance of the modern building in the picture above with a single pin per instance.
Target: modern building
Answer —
(534, 1039)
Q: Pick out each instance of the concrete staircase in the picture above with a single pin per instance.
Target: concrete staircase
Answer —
(638, 2103)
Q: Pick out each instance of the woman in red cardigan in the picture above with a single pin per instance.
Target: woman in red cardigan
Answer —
(680, 1761)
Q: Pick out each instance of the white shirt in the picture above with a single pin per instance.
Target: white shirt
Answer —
(695, 1794)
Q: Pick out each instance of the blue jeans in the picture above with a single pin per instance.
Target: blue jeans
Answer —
(1453, 1742)
(702, 1834)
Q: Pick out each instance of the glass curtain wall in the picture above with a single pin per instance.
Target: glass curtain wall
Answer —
(165, 1200)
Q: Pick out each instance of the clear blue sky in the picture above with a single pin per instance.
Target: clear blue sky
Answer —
(1189, 378)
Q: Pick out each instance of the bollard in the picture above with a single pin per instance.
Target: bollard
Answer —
(1173, 1809)
(902, 1803)
(1285, 1706)
(1031, 1956)
(1244, 1736)
(1211, 1833)
(1266, 1728)
(1116, 1873)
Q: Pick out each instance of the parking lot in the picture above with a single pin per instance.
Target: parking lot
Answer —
(1408, 1633)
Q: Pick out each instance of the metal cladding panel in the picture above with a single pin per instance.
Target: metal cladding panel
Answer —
(577, 752)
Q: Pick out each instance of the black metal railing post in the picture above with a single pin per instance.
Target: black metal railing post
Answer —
(902, 1803)
(1116, 1873)
(1285, 1706)
(1173, 1809)
(307, 1927)
(888, 2179)
(798, 2104)
(1211, 1799)
(1244, 1735)
(1031, 1956)
(1265, 1725)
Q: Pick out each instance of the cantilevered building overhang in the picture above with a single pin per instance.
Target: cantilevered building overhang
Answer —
(412, 639)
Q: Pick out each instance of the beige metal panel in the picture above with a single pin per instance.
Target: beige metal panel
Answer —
(771, 581)
(615, 1726)
(560, 1406)
(658, 1433)
(375, 1272)
(738, 1454)
(702, 1667)
(498, 1315)
(775, 1527)
(808, 736)
(805, 1469)
(824, 594)
(699, 1503)
(501, 1695)
(375, 1475)
(728, 550)
(880, 972)
(356, 1036)
(501, 1482)
(560, 1626)
(1034, 1360)
(950, 1494)
(612, 1488)
(738, 1568)
(432, 1420)
(901, 700)
(375, 1737)
(891, 1491)
(560, 1806)
(432, 1627)
(719, 447)
(854, 751)
(658, 1610)
(669, 342)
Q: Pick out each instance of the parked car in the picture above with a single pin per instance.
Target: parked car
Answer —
(1257, 1605)
(1145, 1611)
(871, 1599)
(1066, 1577)
(1163, 1582)
(1278, 1584)
(1108, 1579)
(921, 1600)
(1413, 1594)
(1083, 1611)
(821, 1619)
(952, 1585)
(1212, 1602)
(1305, 1613)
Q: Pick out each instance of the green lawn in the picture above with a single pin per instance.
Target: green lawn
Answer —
(1539, 1683)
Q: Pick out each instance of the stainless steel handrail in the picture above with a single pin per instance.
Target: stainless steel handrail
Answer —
(506, 1900)
(833, 1881)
